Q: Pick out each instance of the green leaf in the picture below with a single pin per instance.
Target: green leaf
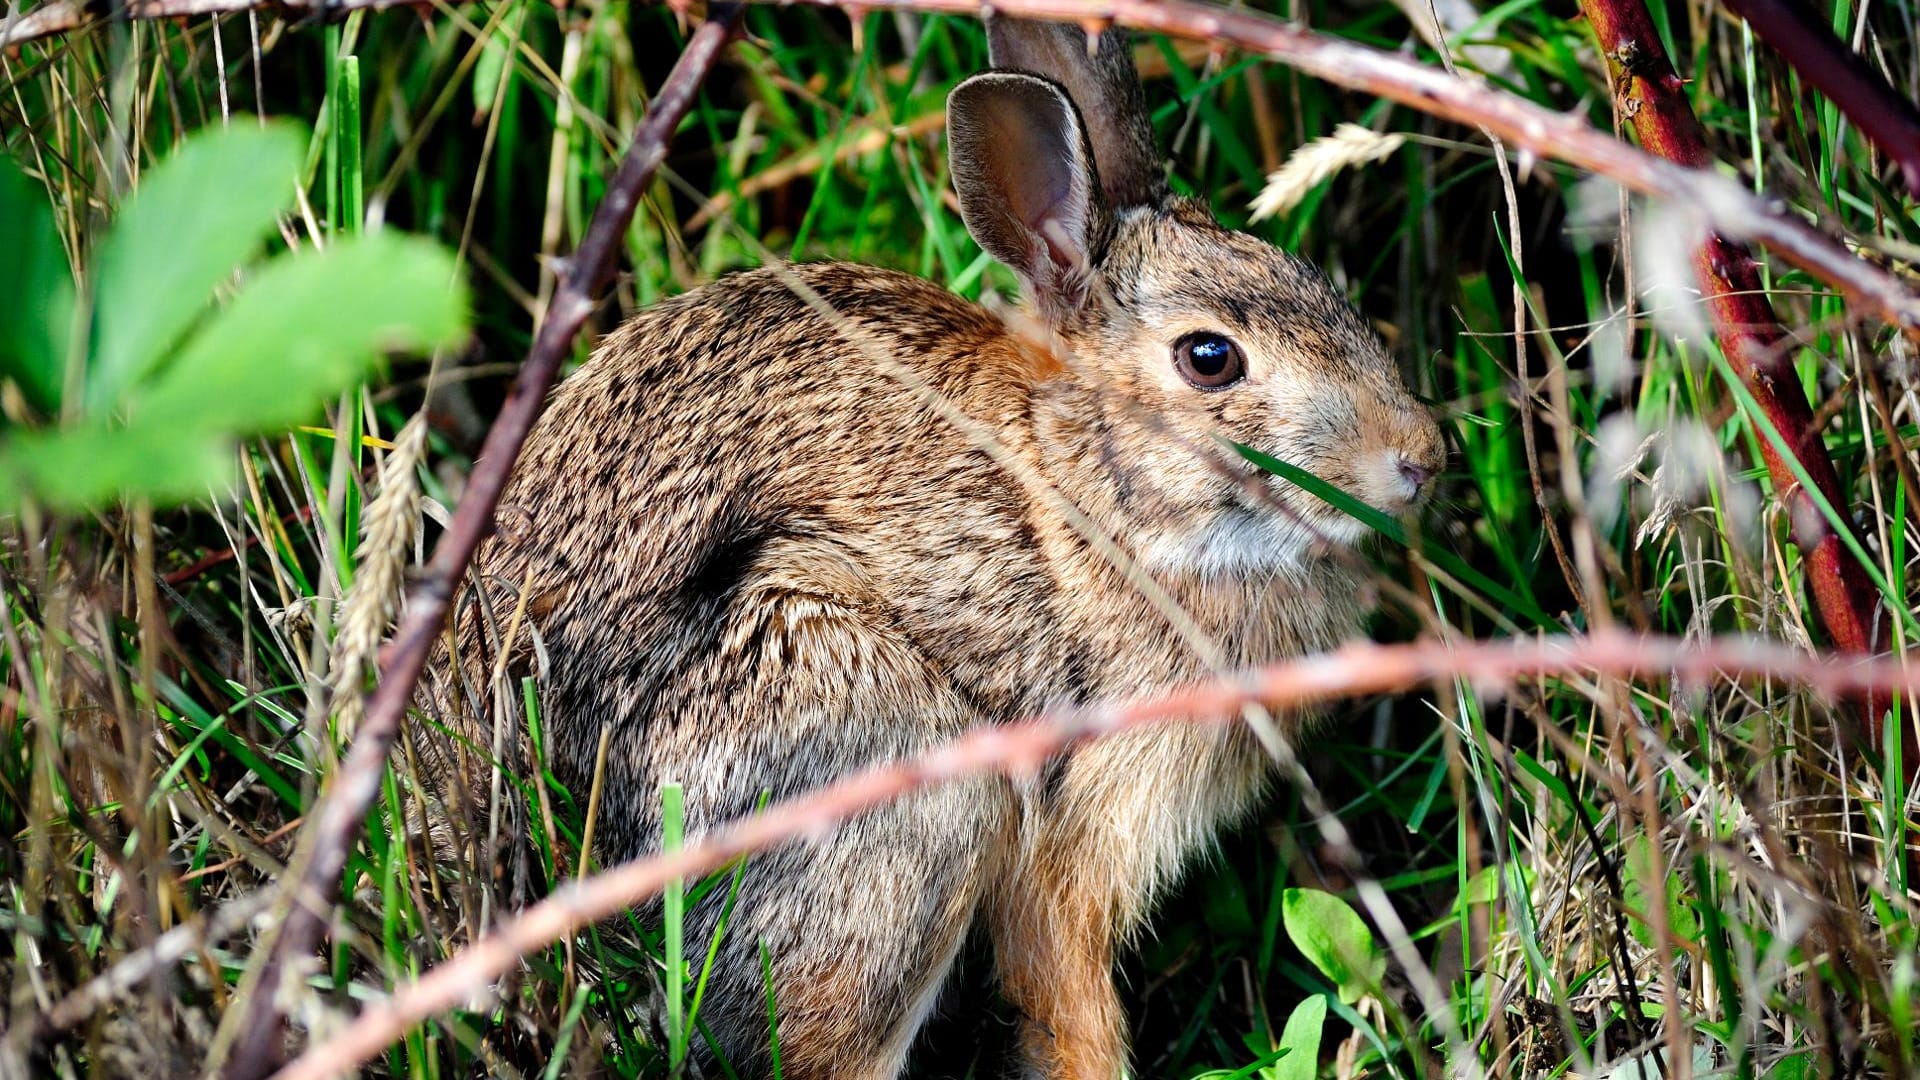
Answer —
(1682, 921)
(1336, 940)
(1258, 1067)
(1228, 914)
(1300, 1039)
(1481, 888)
(1793, 1067)
(197, 217)
(37, 283)
(1485, 886)
(495, 56)
(91, 466)
(305, 328)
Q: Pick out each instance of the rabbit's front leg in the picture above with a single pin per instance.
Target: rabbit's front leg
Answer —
(1099, 840)
(1054, 948)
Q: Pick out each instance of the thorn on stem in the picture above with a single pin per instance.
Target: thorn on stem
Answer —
(857, 17)
(1094, 26)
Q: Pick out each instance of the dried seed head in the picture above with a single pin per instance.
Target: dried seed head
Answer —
(1350, 145)
(386, 534)
(1665, 237)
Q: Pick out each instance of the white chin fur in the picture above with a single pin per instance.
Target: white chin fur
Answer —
(1243, 545)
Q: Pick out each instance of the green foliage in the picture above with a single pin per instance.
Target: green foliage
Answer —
(167, 387)
(1301, 1041)
(34, 341)
(1336, 940)
(1297, 1055)
(91, 465)
(204, 213)
(1643, 898)
(672, 824)
(304, 329)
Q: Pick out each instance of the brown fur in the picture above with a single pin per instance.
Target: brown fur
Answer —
(762, 563)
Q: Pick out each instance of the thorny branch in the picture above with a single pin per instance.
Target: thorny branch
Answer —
(1352, 671)
(341, 812)
(1652, 96)
(1728, 207)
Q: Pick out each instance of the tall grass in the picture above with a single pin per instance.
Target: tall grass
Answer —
(1710, 871)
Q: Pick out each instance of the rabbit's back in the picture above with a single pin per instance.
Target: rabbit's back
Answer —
(732, 473)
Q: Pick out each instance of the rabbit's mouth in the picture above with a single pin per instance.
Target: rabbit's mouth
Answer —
(1234, 541)
(1316, 524)
(1255, 537)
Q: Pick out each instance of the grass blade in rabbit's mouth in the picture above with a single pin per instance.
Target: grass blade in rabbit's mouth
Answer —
(1319, 502)
(1307, 521)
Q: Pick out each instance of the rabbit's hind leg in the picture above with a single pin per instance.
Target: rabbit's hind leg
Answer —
(857, 929)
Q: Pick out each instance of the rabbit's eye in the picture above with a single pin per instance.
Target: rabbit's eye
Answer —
(1209, 361)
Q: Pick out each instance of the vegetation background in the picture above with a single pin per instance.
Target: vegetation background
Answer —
(1712, 872)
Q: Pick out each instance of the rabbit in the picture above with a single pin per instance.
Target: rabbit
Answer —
(807, 519)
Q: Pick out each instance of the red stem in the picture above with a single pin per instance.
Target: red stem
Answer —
(1818, 55)
(1650, 94)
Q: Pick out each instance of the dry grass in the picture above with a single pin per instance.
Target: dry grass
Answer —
(1349, 147)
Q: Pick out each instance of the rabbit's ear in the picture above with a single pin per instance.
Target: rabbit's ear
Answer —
(1105, 88)
(1028, 188)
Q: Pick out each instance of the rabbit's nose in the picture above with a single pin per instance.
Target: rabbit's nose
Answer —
(1415, 474)
(1405, 477)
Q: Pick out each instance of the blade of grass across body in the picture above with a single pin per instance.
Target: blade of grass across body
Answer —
(1391, 529)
